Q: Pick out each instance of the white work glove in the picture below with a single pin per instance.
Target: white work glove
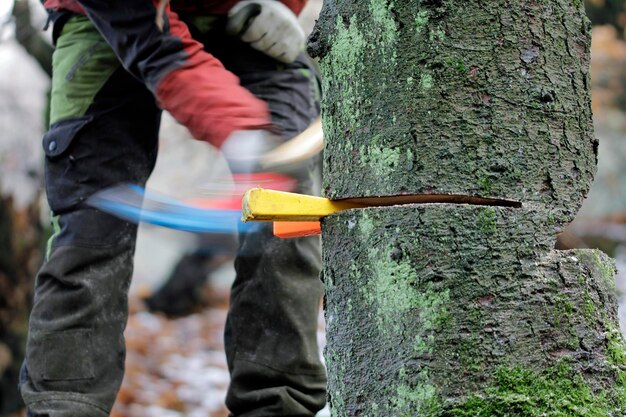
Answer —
(244, 149)
(268, 26)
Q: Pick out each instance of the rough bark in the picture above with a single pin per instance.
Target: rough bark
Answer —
(472, 97)
(458, 310)
(465, 311)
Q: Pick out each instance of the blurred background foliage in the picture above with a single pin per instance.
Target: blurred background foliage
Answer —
(607, 12)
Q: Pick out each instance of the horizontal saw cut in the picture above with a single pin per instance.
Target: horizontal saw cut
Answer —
(273, 206)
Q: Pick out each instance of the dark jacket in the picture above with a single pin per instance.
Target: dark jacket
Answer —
(187, 82)
(204, 6)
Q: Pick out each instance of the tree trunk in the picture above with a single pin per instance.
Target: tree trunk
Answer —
(458, 310)
(31, 38)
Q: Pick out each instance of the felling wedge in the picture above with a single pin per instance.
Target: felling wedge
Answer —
(263, 205)
(268, 206)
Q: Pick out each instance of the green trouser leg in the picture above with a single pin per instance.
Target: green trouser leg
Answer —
(103, 131)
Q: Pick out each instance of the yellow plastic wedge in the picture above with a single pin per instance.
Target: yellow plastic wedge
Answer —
(269, 205)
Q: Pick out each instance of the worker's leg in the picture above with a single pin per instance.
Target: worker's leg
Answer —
(271, 331)
(103, 131)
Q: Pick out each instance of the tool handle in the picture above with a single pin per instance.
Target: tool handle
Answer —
(239, 22)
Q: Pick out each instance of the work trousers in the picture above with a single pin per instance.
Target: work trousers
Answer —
(104, 129)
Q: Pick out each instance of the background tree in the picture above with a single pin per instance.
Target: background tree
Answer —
(607, 12)
(32, 38)
(22, 237)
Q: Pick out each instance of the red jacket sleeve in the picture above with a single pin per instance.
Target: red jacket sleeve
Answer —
(296, 6)
(188, 82)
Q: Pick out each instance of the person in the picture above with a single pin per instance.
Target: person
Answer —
(117, 63)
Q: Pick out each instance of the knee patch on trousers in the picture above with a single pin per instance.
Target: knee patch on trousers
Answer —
(62, 356)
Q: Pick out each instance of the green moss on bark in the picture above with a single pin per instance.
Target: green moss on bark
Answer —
(558, 391)
(457, 310)
(602, 265)
(416, 397)
(345, 62)
(439, 297)
(616, 348)
(484, 110)
(385, 26)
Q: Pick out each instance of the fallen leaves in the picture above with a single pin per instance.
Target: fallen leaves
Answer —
(174, 368)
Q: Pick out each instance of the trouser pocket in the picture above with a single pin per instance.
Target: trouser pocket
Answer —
(61, 183)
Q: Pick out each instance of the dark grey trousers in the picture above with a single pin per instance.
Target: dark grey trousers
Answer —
(75, 352)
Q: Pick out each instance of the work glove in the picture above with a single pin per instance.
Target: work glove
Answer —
(268, 26)
(244, 149)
